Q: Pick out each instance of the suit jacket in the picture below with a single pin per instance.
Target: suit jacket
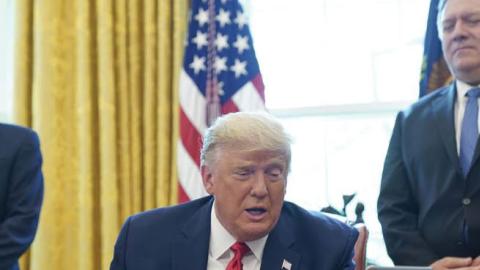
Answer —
(21, 192)
(178, 238)
(424, 199)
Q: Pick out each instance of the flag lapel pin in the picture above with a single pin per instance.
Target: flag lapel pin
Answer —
(286, 265)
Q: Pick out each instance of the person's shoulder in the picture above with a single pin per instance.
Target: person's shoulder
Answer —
(425, 102)
(319, 221)
(170, 214)
(12, 137)
(15, 132)
(320, 239)
(432, 96)
(315, 231)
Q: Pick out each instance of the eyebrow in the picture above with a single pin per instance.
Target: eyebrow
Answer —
(464, 15)
(274, 163)
(471, 14)
(467, 16)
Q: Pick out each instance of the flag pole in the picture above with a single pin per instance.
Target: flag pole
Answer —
(213, 100)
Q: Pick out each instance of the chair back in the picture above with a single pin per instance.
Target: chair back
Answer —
(360, 249)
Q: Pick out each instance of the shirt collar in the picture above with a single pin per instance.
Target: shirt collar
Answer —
(462, 89)
(221, 240)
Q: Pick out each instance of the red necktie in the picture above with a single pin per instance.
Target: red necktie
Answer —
(239, 250)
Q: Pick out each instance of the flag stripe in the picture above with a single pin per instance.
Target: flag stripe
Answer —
(258, 83)
(229, 107)
(248, 99)
(189, 176)
(182, 196)
(191, 138)
(192, 102)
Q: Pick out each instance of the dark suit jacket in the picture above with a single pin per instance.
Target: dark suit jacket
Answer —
(424, 199)
(21, 192)
(178, 238)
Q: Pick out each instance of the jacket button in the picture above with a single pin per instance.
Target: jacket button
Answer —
(466, 201)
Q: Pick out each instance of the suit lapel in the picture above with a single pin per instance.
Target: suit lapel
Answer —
(476, 154)
(279, 247)
(190, 250)
(443, 108)
(472, 180)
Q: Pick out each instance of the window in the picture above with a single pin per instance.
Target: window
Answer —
(336, 73)
(6, 60)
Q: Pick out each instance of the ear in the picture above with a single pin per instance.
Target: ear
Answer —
(207, 179)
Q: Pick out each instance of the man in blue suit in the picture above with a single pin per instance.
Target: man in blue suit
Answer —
(21, 192)
(429, 202)
(245, 221)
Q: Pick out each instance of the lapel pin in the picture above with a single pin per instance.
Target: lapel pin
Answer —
(286, 265)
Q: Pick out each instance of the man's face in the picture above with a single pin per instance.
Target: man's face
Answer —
(460, 32)
(249, 188)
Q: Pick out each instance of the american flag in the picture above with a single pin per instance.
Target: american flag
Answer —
(220, 74)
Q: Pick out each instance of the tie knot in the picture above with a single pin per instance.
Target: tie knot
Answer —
(240, 249)
(474, 92)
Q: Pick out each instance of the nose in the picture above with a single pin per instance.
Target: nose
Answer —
(259, 188)
(459, 31)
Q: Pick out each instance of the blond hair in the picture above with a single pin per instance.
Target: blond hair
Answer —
(246, 131)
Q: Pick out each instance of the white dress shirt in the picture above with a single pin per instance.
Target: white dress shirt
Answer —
(219, 253)
(460, 103)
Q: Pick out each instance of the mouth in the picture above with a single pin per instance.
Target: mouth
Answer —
(461, 49)
(256, 213)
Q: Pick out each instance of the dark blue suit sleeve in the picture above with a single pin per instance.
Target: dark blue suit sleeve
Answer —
(349, 264)
(398, 208)
(23, 200)
(118, 261)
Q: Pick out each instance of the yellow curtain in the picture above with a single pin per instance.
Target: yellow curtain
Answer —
(98, 80)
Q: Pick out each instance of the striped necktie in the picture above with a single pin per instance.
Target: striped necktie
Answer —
(469, 135)
(239, 250)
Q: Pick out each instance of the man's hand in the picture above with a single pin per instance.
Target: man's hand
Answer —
(457, 263)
